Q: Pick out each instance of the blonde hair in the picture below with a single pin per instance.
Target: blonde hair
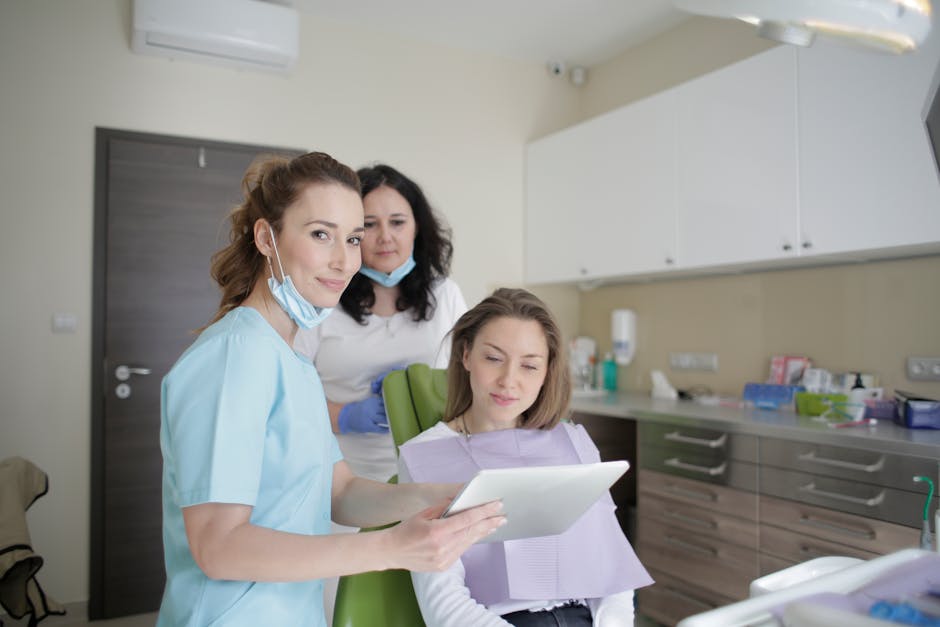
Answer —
(270, 185)
(551, 405)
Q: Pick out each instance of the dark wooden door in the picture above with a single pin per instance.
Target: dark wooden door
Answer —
(160, 212)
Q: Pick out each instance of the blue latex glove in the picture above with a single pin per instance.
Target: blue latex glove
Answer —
(376, 385)
(365, 416)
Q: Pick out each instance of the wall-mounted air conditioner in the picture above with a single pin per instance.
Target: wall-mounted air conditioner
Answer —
(240, 33)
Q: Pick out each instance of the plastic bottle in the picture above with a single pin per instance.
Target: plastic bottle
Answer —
(609, 368)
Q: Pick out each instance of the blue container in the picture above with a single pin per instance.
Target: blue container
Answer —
(770, 395)
(917, 412)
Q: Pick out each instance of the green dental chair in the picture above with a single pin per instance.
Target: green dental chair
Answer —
(414, 401)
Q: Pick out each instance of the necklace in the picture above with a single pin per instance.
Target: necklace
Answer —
(463, 426)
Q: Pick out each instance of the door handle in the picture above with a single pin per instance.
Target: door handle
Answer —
(123, 373)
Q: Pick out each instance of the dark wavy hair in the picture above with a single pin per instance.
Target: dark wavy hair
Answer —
(271, 184)
(551, 404)
(432, 251)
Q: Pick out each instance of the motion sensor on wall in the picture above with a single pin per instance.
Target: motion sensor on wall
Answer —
(556, 68)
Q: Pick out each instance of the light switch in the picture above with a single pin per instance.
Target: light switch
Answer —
(64, 322)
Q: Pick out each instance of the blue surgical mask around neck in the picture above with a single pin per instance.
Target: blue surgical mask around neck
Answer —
(394, 277)
(297, 307)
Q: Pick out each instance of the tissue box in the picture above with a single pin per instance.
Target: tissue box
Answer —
(917, 412)
(810, 404)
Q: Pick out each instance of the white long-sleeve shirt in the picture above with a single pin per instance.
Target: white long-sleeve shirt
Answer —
(445, 599)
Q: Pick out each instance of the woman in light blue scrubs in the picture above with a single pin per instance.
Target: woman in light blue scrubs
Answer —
(252, 474)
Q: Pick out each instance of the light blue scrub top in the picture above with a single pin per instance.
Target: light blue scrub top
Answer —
(244, 420)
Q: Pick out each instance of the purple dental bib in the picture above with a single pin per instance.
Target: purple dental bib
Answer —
(591, 559)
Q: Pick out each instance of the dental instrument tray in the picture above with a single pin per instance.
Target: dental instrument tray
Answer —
(770, 395)
(916, 412)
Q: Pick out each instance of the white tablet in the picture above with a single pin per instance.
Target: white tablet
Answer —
(540, 500)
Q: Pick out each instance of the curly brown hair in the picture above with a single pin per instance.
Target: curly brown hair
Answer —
(551, 405)
(271, 184)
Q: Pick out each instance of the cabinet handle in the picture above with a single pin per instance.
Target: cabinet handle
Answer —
(691, 546)
(838, 463)
(810, 552)
(807, 244)
(670, 261)
(711, 471)
(687, 597)
(675, 436)
(872, 502)
(692, 520)
(700, 495)
(787, 247)
(810, 521)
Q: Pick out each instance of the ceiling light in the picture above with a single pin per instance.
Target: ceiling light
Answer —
(895, 25)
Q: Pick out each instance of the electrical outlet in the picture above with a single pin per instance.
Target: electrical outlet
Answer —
(923, 368)
(693, 361)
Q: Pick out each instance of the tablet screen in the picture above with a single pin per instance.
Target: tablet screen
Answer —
(539, 500)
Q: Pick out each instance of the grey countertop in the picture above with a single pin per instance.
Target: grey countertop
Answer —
(883, 436)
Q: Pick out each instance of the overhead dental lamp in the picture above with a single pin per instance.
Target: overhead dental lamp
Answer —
(892, 25)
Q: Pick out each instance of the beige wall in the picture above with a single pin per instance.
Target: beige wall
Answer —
(457, 122)
(867, 316)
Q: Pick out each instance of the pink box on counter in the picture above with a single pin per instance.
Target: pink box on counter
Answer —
(787, 369)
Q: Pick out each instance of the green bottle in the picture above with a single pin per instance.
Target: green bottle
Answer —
(609, 368)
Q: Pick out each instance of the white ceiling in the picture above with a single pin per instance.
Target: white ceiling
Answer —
(576, 32)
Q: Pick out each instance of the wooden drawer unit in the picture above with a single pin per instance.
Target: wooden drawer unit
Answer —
(876, 467)
(867, 534)
(688, 438)
(669, 600)
(716, 498)
(694, 518)
(698, 453)
(794, 547)
(690, 557)
(865, 499)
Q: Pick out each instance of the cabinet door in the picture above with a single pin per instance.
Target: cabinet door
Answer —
(867, 176)
(554, 238)
(629, 216)
(736, 154)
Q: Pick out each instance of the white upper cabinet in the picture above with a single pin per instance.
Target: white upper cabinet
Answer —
(785, 156)
(630, 218)
(600, 199)
(867, 176)
(556, 169)
(736, 181)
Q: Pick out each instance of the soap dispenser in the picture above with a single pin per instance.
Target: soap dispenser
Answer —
(857, 394)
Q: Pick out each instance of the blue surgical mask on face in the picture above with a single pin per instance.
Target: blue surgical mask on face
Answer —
(394, 277)
(297, 307)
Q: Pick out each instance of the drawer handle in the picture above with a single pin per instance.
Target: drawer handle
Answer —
(711, 471)
(872, 502)
(692, 520)
(831, 526)
(838, 463)
(691, 546)
(685, 596)
(810, 552)
(675, 436)
(700, 495)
